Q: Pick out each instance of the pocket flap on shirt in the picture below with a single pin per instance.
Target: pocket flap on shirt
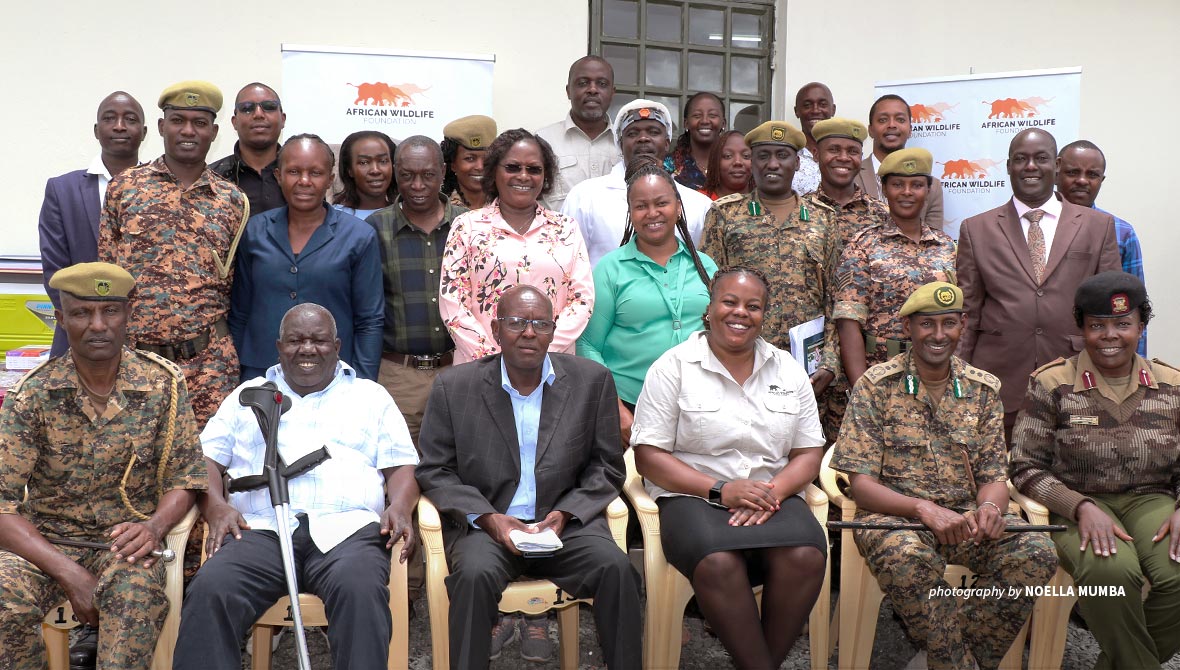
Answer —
(698, 402)
(788, 404)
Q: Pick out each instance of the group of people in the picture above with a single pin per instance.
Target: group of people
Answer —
(491, 320)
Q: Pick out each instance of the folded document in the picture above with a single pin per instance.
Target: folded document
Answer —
(545, 541)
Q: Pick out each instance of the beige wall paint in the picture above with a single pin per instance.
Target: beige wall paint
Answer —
(58, 59)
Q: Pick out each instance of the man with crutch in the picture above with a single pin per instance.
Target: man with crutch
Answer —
(346, 454)
(923, 440)
(97, 447)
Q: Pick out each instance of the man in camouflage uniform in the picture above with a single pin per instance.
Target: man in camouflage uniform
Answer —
(174, 224)
(795, 244)
(883, 264)
(839, 143)
(923, 440)
(85, 435)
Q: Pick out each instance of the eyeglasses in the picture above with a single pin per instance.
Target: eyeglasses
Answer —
(518, 324)
(266, 105)
(515, 168)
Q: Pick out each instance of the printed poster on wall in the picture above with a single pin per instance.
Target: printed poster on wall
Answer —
(968, 121)
(335, 91)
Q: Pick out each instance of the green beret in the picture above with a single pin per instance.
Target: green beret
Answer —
(1110, 294)
(907, 163)
(776, 132)
(836, 127)
(94, 281)
(936, 297)
(474, 132)
(192, 95)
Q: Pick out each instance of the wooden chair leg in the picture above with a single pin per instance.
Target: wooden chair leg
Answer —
(567, 628)
(1014, 659)
(57, 647)
(260, 653)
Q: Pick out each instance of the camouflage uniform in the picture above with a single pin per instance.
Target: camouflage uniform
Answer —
(1078, 439)
(176, 243)
(72, 461)
(895, 433)
(879, 269)
(860, 213)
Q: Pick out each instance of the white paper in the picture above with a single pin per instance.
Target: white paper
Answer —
(546, 540)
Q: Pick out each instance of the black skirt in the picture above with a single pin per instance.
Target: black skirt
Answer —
(691, 528)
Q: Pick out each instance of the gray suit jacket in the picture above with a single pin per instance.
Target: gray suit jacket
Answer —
(471, 455)
(1015, 325)
(68, 232)
(931, 211)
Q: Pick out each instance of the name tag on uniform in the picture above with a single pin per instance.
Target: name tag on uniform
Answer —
(1077, 420)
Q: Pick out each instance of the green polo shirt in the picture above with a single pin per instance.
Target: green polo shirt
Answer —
(641, 310)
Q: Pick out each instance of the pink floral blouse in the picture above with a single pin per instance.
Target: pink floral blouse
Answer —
(485, 256)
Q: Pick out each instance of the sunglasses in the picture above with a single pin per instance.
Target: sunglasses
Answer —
(515, 168)
(518, 324)
(266, 105)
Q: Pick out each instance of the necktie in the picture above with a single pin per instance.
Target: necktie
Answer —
(1036, 242)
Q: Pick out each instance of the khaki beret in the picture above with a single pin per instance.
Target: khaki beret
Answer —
(908, 163)
(474, 132)
(1110, 294)
(94, 281)
(936, 297)
(836, 127)
(776, 132)
(192, 95)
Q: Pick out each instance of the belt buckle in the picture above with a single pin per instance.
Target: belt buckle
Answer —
(426, 362)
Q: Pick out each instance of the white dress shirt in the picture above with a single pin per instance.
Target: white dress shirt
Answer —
(692, 407)
(104, 177)
(1052, 210)
(600, 208)
(579, 157)
(354, 418)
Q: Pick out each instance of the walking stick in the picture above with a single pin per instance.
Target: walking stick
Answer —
(166, 555)
(269, 404)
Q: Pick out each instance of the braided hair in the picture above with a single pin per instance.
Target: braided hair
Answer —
(646, 166)
(737, 270)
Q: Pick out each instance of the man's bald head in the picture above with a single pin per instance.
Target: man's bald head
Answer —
(120, 96)
(813, 103)
(515, 297)
(307, 310)
(119, 128)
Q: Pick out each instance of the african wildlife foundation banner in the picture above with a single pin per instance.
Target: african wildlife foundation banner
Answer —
(340, 90)
(968, 121)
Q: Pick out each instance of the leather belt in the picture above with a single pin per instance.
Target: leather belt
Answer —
(425, 362)
(892, 347)
(182, 351)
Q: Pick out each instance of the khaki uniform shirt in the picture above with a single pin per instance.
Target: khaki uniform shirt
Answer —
(579, 157)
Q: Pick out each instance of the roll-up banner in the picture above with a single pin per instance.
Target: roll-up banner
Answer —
(335, 91)
(968, 121)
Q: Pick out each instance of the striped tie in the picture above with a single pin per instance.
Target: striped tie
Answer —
(1036, 242)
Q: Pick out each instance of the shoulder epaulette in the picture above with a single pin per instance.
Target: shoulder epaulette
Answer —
(1054, 373)
(983, 377)
(172, 368)
(1051, 364)
(732, 197)
(1165, 372)
(812, 200)
(28, 375)
(884, 370)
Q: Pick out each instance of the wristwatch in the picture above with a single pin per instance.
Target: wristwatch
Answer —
(715, 492)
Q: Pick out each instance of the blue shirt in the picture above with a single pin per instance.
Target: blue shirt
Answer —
(339, 268)
(526, 410)
(1132, 257)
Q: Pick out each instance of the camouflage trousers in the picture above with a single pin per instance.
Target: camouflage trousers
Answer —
(130, 600)
(909, 567)
(832, 404)
(211, 376)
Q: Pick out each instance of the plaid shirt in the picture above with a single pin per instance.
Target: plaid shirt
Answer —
(412, 264)
(1132, 257)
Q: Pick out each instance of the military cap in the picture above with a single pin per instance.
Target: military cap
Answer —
(642, 110)
(776, 132)
(937, 297)
(836, 127)
(94, 281)
(474, 132)
(192, 95)
(1109, 294)
(908, 163)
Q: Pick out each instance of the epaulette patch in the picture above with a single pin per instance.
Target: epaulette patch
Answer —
(884, 370)
(168, 365)
(983, 377)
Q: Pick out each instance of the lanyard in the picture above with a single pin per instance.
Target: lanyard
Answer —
(673, 310)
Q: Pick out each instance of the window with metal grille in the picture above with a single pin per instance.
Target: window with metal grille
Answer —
(667, 50)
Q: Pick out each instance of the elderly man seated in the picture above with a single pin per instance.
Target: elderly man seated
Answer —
(86, 435)
(343, 530)
(528, 441)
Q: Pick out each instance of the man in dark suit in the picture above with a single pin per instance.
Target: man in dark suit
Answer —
(889, 126)
(1019, 266)
(68, 226)
(523, 438)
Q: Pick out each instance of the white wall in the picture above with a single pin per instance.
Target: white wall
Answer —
(1129, 52)
(58, 59)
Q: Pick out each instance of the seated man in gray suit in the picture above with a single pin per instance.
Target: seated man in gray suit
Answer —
(520, 438)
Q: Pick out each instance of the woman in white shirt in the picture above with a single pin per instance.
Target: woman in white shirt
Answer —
(727, 435)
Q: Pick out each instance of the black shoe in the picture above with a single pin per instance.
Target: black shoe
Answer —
(84, 653)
